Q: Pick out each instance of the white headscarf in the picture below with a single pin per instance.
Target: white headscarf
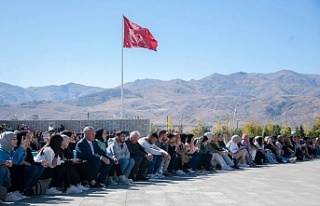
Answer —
(5, 141)
(210, 135)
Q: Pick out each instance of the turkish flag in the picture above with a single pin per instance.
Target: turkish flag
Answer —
(137, 36)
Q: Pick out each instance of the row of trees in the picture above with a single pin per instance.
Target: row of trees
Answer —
(252, 128)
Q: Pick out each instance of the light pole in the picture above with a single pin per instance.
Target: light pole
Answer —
(87, 113)
(214, 116)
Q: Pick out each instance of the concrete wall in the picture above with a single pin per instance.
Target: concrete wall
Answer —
(141, 125)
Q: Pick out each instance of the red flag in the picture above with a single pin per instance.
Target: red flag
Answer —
(137, 36)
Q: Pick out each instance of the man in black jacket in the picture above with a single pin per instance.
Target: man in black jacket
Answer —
(139, 155)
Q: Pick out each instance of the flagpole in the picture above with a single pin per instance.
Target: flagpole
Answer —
(122, 72)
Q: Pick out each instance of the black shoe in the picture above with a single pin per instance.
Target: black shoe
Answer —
(141, 178)
(97, 185)
(29, 192)
(236, 167)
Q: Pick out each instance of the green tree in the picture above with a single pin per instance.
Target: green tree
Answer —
(306, 128)
(269, 128)
(301, 131)
(153, 128)
(287, 130)
(170, 124)
(218, 127)
(277, 130)
(316, 127)
(297, 131)
(198, 131)
(252, 128)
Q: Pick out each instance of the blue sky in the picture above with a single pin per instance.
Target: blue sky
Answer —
(57, 42)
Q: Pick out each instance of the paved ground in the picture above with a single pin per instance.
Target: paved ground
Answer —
(291, 184)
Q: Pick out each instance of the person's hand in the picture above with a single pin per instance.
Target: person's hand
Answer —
(105, 160)
(8, 163)
(220, 153)
(149, 157)
(116, 161)
(23, 143)
(54, 162)
(76, 161)
(166, 156)
(27, 163)
(45, 163)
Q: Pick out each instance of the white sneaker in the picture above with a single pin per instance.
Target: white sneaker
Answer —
(180, 172)
(110, 181)
(191, 171)
(12, 197)
(152, 176)
(226, 168)
(243, 165)
(18, 194)
(130, 181)
(73, 190)
(123, 180)
(53, 191)
(81, 187)
(293, 160)
(159, 175)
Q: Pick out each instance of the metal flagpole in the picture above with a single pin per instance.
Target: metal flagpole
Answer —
(122, 71)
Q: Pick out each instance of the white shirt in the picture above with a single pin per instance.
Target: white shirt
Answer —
(233, 147)
(48, 155)
(150, 148)
(91, 146)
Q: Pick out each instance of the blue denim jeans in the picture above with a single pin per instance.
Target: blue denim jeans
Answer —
(126, 165)
(5, 177)
(155, 164)
(228, 160)
(195, 161)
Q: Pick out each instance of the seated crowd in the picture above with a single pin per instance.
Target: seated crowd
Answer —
(98, 159)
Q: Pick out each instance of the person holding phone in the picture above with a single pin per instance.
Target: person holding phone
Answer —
(30, 169)
(8, 158)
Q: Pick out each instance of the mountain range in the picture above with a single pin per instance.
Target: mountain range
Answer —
(281, 97)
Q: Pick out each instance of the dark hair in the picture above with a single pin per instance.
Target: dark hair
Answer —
(251, 140)
(170, 135)
(183, 137)
(205, 138)
(189, 138)
(154, 134)
(55, 144)
(259, 141)
(67, 132)
(162, 132)
(19, 137)
(98, 135)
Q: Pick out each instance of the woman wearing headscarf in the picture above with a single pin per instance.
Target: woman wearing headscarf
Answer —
(30, 169)
(9, 157)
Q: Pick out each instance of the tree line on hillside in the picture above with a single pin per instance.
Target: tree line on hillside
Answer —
(252, 128)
